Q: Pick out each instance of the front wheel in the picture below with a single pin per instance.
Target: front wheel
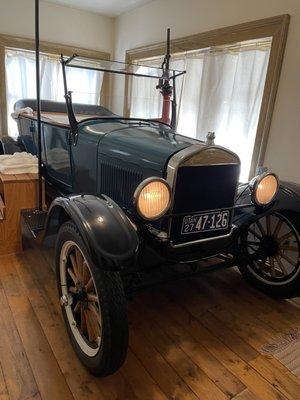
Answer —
(271, 254)
(93, 305)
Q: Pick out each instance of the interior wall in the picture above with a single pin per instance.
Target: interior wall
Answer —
(147, 25)
(58, 24)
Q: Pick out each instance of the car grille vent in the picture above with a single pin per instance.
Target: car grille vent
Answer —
(118, 182)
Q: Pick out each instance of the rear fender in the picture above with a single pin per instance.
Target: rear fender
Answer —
(108, 234)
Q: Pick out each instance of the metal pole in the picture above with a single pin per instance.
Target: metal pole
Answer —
(63, 66)
(38, 103)
(164, 84)
(174, 105)
(168, 56)
(68, 97)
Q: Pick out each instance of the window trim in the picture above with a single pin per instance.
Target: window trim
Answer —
(275, 27)
(8, 41)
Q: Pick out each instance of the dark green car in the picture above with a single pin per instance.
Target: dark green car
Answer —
(130, 198)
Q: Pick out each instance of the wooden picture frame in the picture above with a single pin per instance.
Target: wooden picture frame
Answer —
(275, 27)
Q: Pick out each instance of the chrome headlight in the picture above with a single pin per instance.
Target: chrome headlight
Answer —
(264, 189)
(152, 198)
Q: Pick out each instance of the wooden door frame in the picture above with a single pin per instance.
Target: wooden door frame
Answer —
(275, 27)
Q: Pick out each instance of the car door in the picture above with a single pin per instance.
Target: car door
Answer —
(57, 156)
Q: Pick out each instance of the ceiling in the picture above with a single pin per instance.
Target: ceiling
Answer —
(111, 8)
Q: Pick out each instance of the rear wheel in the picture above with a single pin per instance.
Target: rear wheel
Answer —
(271, 247)
(93, 305)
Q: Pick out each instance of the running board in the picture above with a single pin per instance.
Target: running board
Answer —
(35, 220)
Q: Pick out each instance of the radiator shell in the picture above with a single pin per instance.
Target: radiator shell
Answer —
(200, 189)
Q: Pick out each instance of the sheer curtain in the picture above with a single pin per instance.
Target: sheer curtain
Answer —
(221, 92)
(20, 81)
(144, 99)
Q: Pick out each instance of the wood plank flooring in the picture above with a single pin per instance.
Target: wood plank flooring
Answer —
(194, 339)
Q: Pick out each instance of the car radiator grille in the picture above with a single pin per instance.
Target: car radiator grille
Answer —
(118, 183)
(199, 189)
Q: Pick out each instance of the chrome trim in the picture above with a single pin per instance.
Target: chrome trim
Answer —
(173, 166)
(203, 240)
(177, 159)
(141, 186)
(253, 185)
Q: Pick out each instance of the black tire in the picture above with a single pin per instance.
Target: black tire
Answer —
(287, 286)
(109, 288)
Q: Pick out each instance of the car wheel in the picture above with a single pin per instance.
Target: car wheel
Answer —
(271, 248)
(93, 305)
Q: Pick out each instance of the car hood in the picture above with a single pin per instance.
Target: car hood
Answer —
(139, 146)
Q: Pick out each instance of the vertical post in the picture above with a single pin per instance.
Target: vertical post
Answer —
(174, 105)
(68, 98)
(168, 55)
(164, 85)
(38, 102)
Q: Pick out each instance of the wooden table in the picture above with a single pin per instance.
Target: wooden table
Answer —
(17, 192)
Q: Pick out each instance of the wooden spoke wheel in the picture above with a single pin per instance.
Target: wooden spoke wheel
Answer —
(93, 304)
(79, 297)
(272, 247)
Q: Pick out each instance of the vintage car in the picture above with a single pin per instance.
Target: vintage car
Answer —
(131, 196)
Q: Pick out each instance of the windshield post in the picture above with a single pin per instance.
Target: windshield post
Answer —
(166, 89)
(174, 105)
(68, 98)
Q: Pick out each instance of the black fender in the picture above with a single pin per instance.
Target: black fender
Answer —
(108, 234)
(287, 202)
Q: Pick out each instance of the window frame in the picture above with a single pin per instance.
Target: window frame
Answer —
(275, 27)
(14, 42)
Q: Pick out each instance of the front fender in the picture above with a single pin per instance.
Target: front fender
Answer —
(108, 234)
(287, 202)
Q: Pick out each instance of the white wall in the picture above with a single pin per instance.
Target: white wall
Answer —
(148, 24)
(59, 24)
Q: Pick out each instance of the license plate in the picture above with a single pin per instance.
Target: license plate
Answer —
(213, 221)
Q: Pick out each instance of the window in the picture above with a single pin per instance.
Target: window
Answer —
(230, 87)
(221, 92)
(57, 157)
(21, 84)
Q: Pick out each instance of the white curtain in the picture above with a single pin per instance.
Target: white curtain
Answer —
(20, 81)
(221, 92)
(144, 99)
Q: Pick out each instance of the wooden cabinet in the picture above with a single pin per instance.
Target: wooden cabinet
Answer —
(17, 192)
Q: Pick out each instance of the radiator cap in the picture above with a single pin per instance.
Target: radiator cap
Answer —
(210, 138)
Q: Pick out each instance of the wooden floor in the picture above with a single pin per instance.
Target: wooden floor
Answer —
(195, 339)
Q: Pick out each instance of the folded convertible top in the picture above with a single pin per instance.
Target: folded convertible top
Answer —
(56, 112)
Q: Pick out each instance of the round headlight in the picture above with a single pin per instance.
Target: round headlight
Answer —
(152, 198)
(265, 189)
